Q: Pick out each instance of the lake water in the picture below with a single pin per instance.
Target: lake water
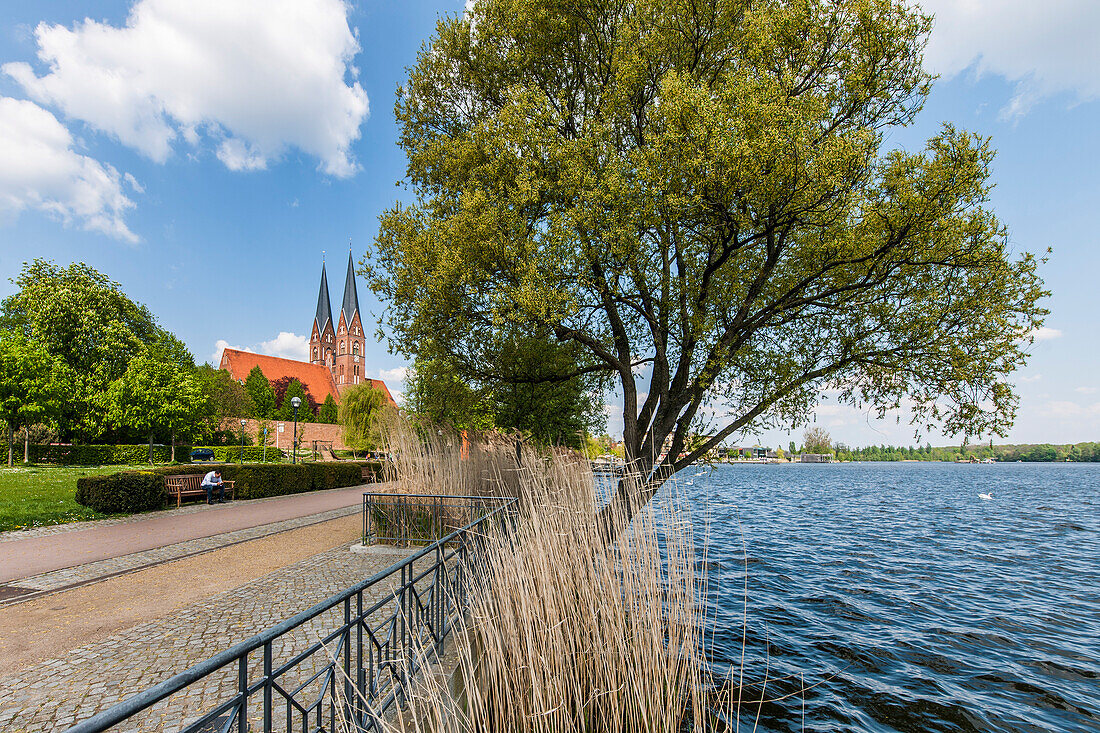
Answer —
(903, 600)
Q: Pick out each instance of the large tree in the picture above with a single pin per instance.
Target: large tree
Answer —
(259, 389)
(80, 316)
(156, 394)
(359, 411)
(31, 386)
(698, 193)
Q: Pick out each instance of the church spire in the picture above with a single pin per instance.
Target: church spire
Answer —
(351, 297)
(324, 309)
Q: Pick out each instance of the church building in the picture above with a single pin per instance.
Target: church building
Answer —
(336, 349)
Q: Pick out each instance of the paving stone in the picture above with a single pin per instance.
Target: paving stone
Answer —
(51, 695)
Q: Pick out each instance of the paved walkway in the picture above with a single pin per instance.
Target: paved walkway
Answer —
(26, 556)
(55, 693)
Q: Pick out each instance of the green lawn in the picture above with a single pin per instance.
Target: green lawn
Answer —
(40, 495)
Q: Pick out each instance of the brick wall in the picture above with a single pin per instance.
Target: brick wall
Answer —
(308, 431)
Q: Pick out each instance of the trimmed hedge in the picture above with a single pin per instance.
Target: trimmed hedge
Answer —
(121, 493)
(103, 455)
(135, 491)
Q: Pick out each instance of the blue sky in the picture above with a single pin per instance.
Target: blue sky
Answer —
(245, 140)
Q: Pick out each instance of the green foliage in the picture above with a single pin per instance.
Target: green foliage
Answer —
(702, 200)
(360, 408)
(328, 412)
(81, 317)
(263, 396)
(103, 455)
(32, 384)
(817, 440)
(154, 393)
(1029, 453)
(307, 408)
(224, 398)
(436, 391)
(330, 475)
(122, 493)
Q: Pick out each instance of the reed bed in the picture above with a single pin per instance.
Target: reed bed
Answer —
(566, 632)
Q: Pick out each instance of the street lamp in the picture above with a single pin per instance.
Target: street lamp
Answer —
(296, 402)
(243, 423)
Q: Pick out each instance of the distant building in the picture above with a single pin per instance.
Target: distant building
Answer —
(816, 458)
(336, 350)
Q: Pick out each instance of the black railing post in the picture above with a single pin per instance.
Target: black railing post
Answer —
(242, 690)
(268, 686)
(348, 688)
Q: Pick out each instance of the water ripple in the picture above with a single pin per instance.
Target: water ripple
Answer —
(907, 603)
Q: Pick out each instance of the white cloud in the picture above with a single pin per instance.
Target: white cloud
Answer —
(1031, 378)
(1046, 48)
(1086, 390)
(40, 170)
(393, 375)
(1046, 334)
(1065, 409)
(287, 345)
(254, 77)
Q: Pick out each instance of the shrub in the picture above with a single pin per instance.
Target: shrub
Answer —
(104, 455)
(121, 493)
(334, 475)
(258, 480)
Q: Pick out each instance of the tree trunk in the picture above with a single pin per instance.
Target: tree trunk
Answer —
(173, 446)
(26, 445)
(11, 439)
(150, 447)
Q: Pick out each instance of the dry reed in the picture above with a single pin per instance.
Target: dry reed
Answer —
(565, 632)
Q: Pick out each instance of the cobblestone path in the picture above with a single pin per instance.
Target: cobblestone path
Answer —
(59, 692)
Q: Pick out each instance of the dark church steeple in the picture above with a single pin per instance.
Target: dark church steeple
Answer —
(350, 305)
(324, 309)
(322, 337)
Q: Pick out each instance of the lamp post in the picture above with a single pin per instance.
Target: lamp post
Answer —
(243, 423)
(296, 403)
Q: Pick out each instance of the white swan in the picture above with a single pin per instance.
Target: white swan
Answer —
(985, 497)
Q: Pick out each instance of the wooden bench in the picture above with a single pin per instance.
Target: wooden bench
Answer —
(190, 485)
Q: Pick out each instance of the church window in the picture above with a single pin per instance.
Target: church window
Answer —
(355, 348)
(343, 347)
(315, 353)
(357, 370)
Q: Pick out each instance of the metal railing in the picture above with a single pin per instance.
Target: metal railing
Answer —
(380, 632)
(404, 519)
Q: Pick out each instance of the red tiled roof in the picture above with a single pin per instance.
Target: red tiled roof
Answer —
(379, 384)
(314, 377)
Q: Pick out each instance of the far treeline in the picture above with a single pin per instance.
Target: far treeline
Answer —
(82, 363)
(1030, 453)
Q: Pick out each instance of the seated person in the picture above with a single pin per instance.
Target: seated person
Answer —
(211, 481)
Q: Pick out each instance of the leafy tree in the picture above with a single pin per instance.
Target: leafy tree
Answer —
(224, 398)
(83, 318)
(793, 450)
(286, 388)
(156, 393)
(435, 390)
(360, 408)
(31, 386)
(817, 440)
(328, 412)
(307, 411)
(259, 389)
(699, 195)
